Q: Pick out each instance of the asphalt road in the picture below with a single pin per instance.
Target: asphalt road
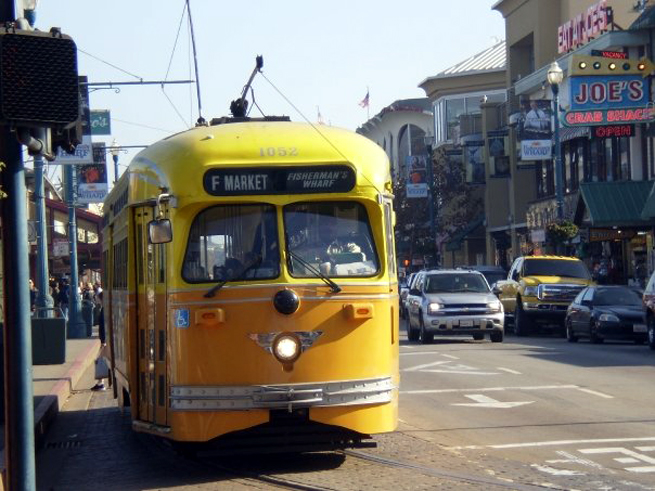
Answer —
(579, 415)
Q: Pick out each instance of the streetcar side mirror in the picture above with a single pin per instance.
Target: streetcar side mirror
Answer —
(160, 231)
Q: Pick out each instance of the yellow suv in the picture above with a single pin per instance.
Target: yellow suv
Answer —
(539, 289)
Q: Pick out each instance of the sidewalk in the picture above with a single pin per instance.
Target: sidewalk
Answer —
(52, 386)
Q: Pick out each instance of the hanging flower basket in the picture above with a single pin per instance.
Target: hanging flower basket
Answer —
(560, 232)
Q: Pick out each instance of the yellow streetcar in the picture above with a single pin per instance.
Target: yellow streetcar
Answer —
(251, 291)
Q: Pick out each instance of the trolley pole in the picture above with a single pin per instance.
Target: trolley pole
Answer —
(76, 326)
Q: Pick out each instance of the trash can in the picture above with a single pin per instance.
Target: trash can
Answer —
(48, 338)
(87, 315)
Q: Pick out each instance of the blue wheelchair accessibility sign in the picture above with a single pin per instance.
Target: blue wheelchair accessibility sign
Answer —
(182, 318)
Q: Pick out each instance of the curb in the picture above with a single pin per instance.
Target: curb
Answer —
(50, 404)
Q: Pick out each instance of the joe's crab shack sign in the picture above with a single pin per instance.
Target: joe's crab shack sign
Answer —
(583, 27)
(609, 93)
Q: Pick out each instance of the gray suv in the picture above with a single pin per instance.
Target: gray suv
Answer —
(453, 302)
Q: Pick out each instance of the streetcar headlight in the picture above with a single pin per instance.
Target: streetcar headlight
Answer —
(608, 318)
(286, 347)
(434, 308)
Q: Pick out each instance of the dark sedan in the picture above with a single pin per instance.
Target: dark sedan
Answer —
(602, 312)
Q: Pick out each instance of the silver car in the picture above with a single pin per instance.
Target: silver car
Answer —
(451, 303)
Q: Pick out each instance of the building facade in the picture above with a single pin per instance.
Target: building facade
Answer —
(606, 134)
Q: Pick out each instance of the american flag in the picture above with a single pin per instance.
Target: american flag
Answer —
(364, 102)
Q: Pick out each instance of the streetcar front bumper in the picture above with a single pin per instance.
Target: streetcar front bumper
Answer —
(282, 396)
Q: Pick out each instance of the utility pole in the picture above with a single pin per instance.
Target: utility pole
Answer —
(19, 396)
(76, 325)
(43, 299)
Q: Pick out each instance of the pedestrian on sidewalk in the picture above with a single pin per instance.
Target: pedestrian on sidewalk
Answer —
(102, 369)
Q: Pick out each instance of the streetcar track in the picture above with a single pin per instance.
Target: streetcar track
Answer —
(446, 474)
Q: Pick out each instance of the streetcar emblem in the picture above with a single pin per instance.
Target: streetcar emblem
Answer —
(182, 318)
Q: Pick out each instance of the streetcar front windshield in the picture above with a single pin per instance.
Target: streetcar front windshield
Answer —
(227, 240)
(333, 238)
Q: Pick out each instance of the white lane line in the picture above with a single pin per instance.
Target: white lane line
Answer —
(451, 357)
(552, 443)
(596, 393)
(425, 365)
(488, 389)
(509, 370)
(469, 372)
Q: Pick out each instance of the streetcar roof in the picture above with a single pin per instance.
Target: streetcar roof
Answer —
(178, 163)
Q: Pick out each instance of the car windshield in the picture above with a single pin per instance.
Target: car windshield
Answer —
(493, 276)
(617, 296)
(555, 267)
(225, 240)
(331, 237)
(456, 283)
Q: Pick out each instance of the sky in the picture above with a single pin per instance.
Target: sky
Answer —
(318, 56)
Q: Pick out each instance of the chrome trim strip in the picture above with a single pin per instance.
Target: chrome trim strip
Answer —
(384, 284)
(336, 298)
(287, 396)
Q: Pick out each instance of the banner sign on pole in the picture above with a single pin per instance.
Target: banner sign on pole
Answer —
(417, 185)
(100, 122)
(92, 184)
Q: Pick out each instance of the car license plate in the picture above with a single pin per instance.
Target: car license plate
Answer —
(466, 323)
(639, 328)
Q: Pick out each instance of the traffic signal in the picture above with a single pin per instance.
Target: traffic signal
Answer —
(406, 262)
(38, 79)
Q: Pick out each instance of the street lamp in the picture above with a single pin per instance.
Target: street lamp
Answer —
(428, 139)
(555, 76)
(114, 151)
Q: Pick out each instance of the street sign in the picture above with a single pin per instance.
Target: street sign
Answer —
(100, 122)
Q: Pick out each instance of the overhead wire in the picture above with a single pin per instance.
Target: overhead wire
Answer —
(110, 64)
(318, 130)
(170, 63)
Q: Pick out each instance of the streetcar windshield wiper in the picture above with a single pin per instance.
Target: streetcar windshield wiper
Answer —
(253, 265)
(335, 288)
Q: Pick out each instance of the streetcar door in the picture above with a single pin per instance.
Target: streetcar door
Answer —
(146, 312)
(161, 324)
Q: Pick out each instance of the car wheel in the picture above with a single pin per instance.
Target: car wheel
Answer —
(496, 337)
(570, 337)
(522, 323)
(478, 336)
(651, 333)
(412, 334)
(424, 337)
(593, 334)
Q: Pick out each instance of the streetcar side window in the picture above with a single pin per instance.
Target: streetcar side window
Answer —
(232, 242)
(331, 237)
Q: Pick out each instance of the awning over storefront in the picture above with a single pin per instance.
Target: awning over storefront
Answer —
(458, 237)
(566, 134)
(614, 203)
(649, 208)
